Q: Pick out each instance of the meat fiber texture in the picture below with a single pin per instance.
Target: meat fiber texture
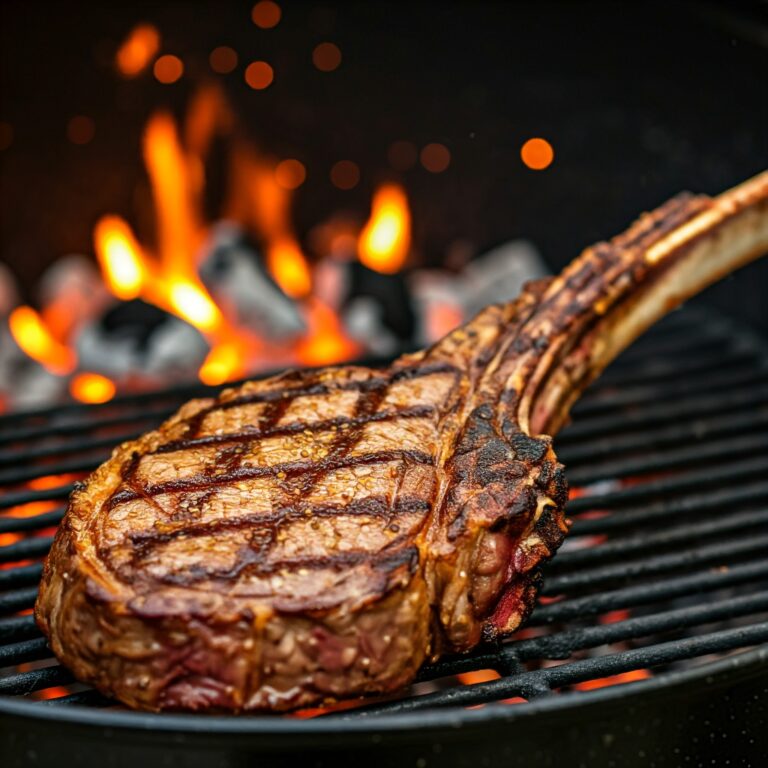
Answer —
(320, 534)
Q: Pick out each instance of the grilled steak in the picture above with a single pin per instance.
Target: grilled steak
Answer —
(320, 534)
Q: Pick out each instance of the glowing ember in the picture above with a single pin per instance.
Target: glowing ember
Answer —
(32, 335)
(138, 49)
(386, 238)
(92, 388)
(478, 676)
(623, 677)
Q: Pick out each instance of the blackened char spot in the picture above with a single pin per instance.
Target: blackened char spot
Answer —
(529, 448)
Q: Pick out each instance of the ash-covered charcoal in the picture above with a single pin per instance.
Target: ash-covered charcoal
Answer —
(377, 309)
(72, 290)
(234, 273)
(135, 336)
(499, 274)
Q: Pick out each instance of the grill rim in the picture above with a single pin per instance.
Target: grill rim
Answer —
(366, 725)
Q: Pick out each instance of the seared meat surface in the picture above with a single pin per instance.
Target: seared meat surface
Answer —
(319, 534)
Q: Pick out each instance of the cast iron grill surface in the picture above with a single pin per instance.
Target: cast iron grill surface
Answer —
(663, 577)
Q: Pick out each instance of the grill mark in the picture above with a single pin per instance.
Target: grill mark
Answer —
(144, 542)
(200, 482)
(395, 555)
(414, 412)
(347, 438)
(291, 393)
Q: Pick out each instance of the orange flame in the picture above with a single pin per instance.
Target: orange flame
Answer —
(386, 238)
(260, 202)
(92, 388)
(326, 341)
(32, 335)
(179, 229)
(137, 50)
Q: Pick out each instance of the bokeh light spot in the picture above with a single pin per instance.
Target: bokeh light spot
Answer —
(266, 14)
(537, 154)
(138, 50)
(259, 75)
(223, 59)
(81, 129)
(326, 57)
(168, 69)
(290, 174)
(345, 174)
(435, 158)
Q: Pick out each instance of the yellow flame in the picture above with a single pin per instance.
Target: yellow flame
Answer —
(120, 257)
(224, 362)
(92, 388)
(192, 303)
(31, 334)
(386, 238)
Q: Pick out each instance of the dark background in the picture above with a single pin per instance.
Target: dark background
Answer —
(639, 100)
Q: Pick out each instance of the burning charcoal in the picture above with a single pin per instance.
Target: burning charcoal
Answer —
(439, 305)
(73, 294)
(234, 273)
(364, 323)
(134, 335)
(394, 314)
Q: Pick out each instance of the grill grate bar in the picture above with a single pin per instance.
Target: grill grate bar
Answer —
(28, 682)
(672, 435)
(670, 459)
(13, 458)
(645, 594)
(542, 681)
(18, 600)
(20, 576)
(35, 522)
(719, 500)
(679, 534)
(26, 549)
(632, 569)
(600, 400)
(679, 483)
(26, 650)
(88, 424)
(663, 413)
(507, 658)
(17, 498)
(17, 628)
(89, 698)
(662, 371)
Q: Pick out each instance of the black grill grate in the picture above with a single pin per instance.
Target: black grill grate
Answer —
(665, 569)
